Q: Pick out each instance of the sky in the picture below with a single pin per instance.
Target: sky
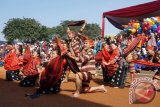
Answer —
(52, 12)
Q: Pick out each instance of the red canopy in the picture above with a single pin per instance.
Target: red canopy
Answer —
(122, 16)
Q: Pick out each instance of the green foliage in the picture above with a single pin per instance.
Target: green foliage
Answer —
(25, 30)
(91, 30)
(124, 34)
(28, 30)
(45, 34)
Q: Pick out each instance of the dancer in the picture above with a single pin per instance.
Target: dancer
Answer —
(88, 71)
(156, 59)
(51, 76)
(131, 56)
(12, 63)
(112, 64)
(105, 58)
(31, 68)
(75, 42)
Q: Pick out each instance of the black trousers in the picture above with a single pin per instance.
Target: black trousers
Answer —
(106, 77)
(13, 75)
(29, 81)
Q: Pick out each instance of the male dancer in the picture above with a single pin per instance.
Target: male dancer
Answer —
(75, 43)
(88, 71)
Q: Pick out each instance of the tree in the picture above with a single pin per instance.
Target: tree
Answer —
(122, 33)
(91, 30)
(25, 30)
(28, 30)
(45, 34)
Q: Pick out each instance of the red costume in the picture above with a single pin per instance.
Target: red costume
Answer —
(106, 55)
(133, 44)
(30, 64)
(12, 61)
(113, 66)
(30, 69)
(51, 76)
(12, 64)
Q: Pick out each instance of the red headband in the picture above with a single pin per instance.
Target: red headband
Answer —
(90, 42)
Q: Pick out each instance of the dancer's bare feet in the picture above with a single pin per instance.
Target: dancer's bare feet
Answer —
(76, 95)
(104, 89)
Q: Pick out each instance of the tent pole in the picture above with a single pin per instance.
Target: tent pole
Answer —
(103, 25)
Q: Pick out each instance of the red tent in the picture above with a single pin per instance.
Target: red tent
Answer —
(122, 16)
